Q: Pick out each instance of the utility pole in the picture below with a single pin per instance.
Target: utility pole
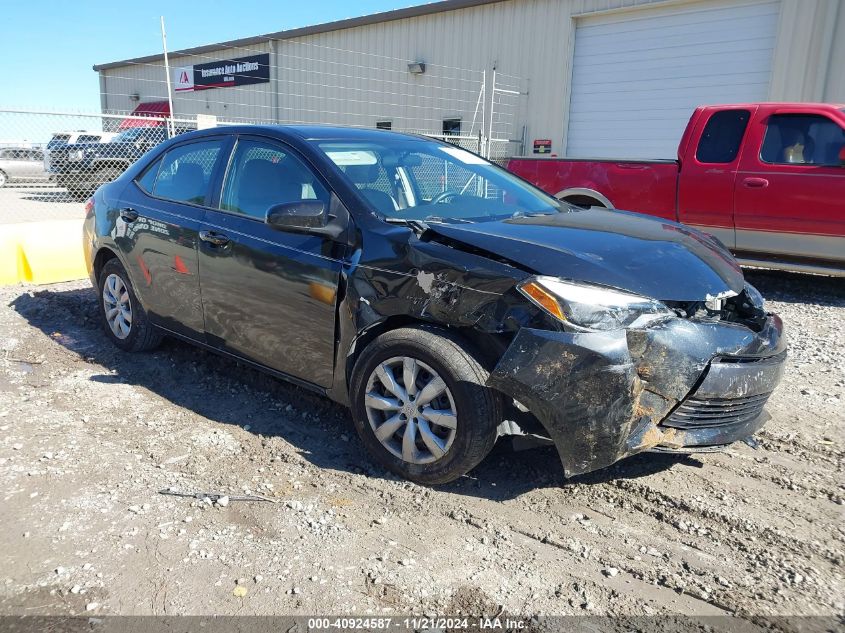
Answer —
(167, 78)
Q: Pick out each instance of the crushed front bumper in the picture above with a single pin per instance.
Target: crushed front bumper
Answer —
(680, 384)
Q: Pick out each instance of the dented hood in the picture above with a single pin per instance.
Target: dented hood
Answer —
(648, 256)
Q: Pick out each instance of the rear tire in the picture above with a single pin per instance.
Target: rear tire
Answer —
(124, 319)
(450, 434)
(3, 179)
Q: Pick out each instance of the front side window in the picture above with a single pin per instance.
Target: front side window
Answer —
(262, 175)
(722, 137)
(415, 179)
(802, 139)
(185, 172)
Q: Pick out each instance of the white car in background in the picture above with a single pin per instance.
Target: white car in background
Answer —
(20, 164)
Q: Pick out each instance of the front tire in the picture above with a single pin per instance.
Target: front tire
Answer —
(3, 179)
(124, 319)
(421, 406)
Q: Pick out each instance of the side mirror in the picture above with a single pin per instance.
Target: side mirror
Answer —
(842, 156)
(301, 216)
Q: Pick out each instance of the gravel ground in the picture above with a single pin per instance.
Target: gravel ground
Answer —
(88, 435)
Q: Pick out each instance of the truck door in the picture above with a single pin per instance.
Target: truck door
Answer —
(790, 191)
(708, 172)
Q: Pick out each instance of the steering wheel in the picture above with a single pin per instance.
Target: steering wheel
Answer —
(444, 195)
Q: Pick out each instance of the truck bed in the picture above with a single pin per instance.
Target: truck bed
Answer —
(645, 186)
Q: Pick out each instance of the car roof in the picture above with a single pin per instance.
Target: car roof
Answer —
(310, 132)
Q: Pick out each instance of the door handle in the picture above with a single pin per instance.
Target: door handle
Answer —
(128, 215)
(215, 239)
(756, 183)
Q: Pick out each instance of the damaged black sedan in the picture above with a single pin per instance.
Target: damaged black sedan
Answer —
(445, 301)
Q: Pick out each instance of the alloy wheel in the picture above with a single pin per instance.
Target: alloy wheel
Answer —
(411, 410)
(117, 306)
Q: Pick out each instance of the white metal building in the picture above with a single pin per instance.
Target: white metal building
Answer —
(595, 77)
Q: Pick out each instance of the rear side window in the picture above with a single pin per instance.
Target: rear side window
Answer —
(262, 175)
(722, 137)
(88, 138)
(185, 172)
(802, 139)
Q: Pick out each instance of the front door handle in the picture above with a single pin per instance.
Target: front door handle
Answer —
(216, 239)
(755, 183)
(128, 215)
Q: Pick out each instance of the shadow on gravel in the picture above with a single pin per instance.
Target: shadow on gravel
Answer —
(228, 392)
(798, 288)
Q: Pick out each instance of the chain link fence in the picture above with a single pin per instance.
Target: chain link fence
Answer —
(52, 161)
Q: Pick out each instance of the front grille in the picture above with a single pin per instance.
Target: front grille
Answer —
(696, 414)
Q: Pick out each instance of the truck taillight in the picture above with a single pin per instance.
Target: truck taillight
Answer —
(89, 207)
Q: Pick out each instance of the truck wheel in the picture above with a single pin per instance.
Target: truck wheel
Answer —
(124, 319)
(3, 179)
(421, 407)
(584, 202)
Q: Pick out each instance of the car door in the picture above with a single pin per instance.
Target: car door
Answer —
(790, 193)
(157, 229)
(269, 295)
(34, 164)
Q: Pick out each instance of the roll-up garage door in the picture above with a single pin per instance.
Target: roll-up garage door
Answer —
(638, 75)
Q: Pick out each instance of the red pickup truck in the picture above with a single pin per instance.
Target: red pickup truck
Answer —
(767, 179)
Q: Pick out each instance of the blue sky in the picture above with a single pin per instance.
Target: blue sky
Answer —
(48, 47)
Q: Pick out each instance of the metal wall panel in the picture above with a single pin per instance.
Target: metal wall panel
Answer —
(359, 75)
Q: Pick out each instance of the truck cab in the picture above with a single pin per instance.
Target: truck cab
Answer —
(767, 179)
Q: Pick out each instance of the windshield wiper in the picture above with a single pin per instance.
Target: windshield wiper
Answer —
(418, 226)
(441, 219)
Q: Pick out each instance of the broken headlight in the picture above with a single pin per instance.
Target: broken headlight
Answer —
(592, 307)
(754, 296)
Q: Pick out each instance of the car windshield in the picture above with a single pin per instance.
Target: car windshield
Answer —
(416, 179)
(128, 136)
(58, 140)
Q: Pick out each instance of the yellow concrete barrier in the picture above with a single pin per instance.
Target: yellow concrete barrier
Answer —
(41, 252)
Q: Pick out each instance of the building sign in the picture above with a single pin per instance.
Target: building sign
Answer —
(226, 73)
(183, 79)
(542, 145)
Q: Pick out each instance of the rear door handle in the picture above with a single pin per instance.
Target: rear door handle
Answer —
(128, 215)
(216, 239)
(756, 183)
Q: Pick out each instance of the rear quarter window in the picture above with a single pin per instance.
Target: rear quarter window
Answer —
(722, 137)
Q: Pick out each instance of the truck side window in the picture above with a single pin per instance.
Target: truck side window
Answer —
(802, 139)
(722, 137)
